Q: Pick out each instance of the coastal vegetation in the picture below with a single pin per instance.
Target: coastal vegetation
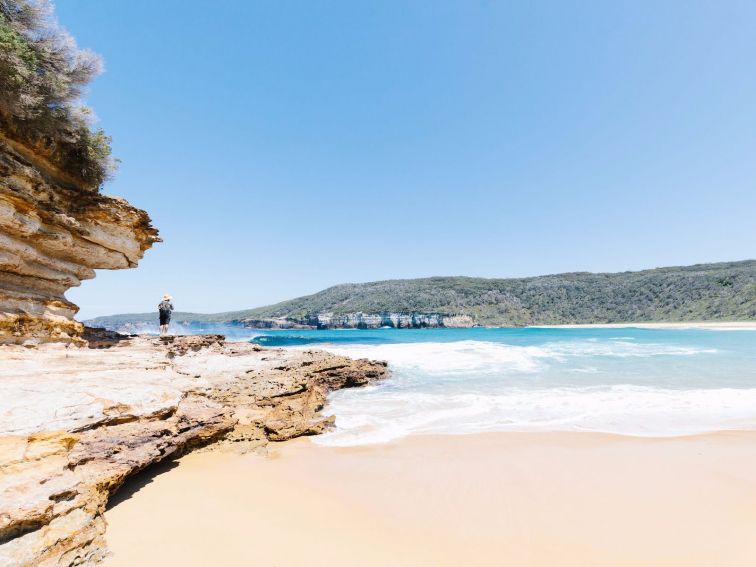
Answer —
(44, 75)
(703, 292)
(56, 227)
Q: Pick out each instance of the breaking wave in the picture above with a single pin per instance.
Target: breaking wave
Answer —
(481, 356)
(638, 382)
(626, 410)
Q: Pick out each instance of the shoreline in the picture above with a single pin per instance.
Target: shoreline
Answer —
(76, 422)
(717, 325)
(142, 329)
(535, 499)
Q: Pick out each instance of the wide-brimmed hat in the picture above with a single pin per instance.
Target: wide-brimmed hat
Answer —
(167, 296)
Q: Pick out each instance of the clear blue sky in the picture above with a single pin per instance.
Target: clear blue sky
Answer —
(282, 147)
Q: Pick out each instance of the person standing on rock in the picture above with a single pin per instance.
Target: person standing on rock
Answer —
(165, 308)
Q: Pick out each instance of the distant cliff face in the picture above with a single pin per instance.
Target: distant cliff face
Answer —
(53, 234)
(725, 291)
(364, 321)
(705, 292)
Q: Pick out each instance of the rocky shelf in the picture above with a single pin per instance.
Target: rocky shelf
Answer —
(76, 422)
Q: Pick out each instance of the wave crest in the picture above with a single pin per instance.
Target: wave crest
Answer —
(627, 410)
(481, 356)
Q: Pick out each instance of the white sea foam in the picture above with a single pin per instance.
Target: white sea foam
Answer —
(380, 416)
(461, 356)
(477, 356)
(616, 386)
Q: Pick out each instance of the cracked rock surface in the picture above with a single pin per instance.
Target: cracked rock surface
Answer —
(76, 422)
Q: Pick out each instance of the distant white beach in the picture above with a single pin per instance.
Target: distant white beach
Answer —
(720, 325)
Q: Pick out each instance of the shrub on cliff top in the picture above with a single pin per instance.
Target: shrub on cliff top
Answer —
(43, 75)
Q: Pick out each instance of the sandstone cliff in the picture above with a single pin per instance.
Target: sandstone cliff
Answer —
(54, 232)
(76, 422)
(363, 321)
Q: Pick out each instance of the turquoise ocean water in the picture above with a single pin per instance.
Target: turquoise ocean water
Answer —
(630, 381)
(648, 382)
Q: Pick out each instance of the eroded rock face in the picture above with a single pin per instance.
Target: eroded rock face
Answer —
(53, 234)
(76, 422)
(365, 321)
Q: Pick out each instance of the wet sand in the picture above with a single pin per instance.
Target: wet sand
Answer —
(536, 499)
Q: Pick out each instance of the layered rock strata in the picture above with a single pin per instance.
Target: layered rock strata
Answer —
(364, 321)
(53, 234)
(76, 422)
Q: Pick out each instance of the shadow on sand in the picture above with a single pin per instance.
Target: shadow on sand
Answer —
(135, 483)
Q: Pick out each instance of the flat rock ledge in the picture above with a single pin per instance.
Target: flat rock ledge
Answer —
(76, 422)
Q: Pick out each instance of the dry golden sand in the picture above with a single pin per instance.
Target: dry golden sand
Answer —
(494, 499)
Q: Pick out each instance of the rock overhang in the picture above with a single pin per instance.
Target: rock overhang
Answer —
(54, 234)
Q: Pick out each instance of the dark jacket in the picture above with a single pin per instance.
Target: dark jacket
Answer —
(165, 306)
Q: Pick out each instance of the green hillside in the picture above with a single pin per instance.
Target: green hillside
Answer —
(704, 292)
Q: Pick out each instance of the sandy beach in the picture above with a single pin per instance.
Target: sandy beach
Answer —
(487, 499)
(715, 325)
